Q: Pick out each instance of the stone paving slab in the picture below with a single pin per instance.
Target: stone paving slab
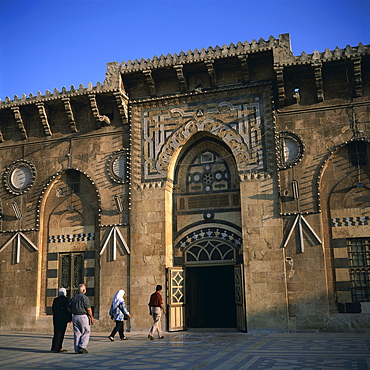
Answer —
(191, 350)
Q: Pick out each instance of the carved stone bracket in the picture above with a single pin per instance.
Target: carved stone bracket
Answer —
(280, 82)
(122, 106)
(180, 75)
(358, 76)
(68, 109)
(19, 120)
(95, 111)
(44, 119)
(211, 71)
(317, 66)
(150, 82)
(244, 64)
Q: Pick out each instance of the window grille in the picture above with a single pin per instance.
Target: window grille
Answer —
(359, 265)
(71, 272)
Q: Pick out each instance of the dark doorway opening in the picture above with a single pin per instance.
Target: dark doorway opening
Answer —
(210, 297)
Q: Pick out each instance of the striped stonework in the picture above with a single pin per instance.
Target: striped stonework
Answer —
(350, 221)
(79, 240)
(341, 267)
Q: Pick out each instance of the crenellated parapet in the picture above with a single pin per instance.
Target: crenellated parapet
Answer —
(317, 62)
(316, 57)
(282, 55)
(56, 94)
(207, 55)
(203, 69)
(186, 64)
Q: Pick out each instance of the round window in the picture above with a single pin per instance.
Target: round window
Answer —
(19, 177)
(291, 149)
(118, 167)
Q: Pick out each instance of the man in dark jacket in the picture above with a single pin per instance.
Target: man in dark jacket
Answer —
(61, 317)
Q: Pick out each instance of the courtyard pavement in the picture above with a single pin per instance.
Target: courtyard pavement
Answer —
(210, 349)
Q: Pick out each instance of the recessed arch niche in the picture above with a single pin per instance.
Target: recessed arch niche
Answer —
(70, 235)
(345, 202)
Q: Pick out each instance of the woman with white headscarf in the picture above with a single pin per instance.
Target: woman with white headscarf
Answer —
(117, 312)
(61, 317)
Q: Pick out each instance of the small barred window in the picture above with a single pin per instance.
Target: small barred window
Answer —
(359, 265)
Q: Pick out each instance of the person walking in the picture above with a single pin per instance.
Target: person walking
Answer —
(61, 317)
(82, 319)
(117, 312)
(155, 306)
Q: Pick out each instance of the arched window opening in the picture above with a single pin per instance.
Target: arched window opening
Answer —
(357, 153)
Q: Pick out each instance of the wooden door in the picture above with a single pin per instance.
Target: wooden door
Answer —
(176, 299)
(241, 322)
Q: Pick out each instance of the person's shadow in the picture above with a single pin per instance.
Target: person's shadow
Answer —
(19, 349)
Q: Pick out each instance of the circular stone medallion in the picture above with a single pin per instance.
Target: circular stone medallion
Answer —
(19, 177)
(117, 166)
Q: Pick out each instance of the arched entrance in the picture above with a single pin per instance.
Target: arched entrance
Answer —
(207, 238)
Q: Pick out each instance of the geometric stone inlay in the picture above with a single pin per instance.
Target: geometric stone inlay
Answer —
(71, 238)
(350, 221)
(238, 122)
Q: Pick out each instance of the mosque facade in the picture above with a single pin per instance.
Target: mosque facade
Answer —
(237, 177)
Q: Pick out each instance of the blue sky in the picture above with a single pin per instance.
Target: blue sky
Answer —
(47, 44)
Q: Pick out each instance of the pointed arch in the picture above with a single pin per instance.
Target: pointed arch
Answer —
(69, 234)
(318, 183)
(205, 195)
(218, 129)
(345, 193)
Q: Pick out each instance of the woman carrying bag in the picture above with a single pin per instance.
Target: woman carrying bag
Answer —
(117, 312)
